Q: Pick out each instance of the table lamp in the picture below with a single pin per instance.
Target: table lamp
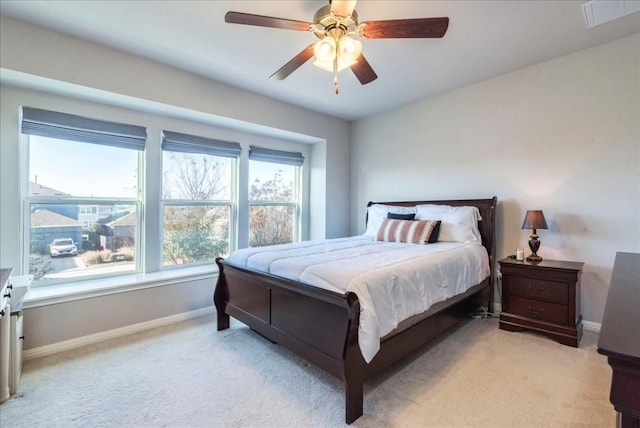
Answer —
(534, 219)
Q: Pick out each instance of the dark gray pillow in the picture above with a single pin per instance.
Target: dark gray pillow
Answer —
(433, 238)
(395, 216)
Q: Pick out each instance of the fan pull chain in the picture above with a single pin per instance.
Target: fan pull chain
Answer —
(335, 76)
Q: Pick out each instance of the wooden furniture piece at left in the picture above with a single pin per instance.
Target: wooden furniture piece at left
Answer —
(20, 287)
(12, 294)
(5, 316)
(542, 297)
(619, 338)
(322, 326)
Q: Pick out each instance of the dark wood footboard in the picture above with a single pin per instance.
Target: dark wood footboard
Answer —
(319, 325)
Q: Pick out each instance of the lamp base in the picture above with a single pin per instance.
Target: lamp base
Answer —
(534, 245)
(534, 258)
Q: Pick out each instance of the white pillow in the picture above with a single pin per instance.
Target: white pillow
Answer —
(376, 213)
(459, 224)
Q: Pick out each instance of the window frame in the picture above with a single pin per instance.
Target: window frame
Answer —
(29, 200)
(148, 199)
(296, 204)
(194, 145)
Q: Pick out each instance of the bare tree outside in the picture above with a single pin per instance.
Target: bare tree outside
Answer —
(272, 224)
(195, 232)
(195, 177)
(39, 265)
(197, 213)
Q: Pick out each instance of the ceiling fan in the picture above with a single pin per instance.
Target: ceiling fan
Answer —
(334, 25)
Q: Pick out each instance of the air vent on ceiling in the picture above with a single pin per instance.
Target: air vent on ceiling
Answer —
(598, 12)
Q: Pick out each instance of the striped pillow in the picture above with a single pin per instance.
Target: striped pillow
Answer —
(407, 231)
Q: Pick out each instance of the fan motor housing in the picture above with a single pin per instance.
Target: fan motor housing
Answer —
(326, 21)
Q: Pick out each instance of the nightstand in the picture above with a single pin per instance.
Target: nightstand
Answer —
(543, 297)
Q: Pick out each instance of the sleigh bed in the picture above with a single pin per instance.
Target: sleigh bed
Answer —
(322, 325)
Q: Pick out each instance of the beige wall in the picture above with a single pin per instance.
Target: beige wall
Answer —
(562, 136)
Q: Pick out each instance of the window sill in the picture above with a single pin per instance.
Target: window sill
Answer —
(52, 294)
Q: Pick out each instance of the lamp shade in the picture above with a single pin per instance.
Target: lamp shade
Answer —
(534, 219)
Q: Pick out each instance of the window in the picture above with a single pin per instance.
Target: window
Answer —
(83, 200)
(198, 198)
(274, 196)
(86, 214)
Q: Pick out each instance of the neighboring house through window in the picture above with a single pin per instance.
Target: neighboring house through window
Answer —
(70, 179)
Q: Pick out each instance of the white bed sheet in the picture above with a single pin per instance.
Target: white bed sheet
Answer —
(393, 281)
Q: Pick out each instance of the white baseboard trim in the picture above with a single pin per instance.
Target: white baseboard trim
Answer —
(66, 345)
(591, 326)
(587, 325)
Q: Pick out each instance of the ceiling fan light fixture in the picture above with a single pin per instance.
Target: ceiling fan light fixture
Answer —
(346, 51)
(331, 66)
(326, 66)
(349, 49)
(325, 50)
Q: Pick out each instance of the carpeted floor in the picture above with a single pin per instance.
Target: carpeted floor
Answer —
(190, 375)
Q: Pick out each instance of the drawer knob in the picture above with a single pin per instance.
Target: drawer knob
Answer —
(532, 288)
(7, 295)
(533, 311)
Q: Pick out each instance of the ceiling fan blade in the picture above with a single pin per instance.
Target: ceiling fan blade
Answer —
(294, 64)
(406, 28)
(342, 7)
(266, 21)
(363, 71)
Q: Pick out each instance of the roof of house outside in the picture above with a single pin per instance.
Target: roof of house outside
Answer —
(40, 190)
(126, 220)
(46, 218)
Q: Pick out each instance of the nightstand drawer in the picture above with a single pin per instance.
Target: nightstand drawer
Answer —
(539, 289)
(537, 309)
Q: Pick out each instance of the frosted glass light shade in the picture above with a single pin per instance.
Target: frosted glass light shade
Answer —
(349, 50)
(325, 50)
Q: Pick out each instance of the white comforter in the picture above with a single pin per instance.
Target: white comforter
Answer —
(393, 281)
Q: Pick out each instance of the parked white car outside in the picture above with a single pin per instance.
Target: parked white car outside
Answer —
(63, 246)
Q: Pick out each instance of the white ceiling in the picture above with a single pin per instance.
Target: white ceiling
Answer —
(484, 39)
